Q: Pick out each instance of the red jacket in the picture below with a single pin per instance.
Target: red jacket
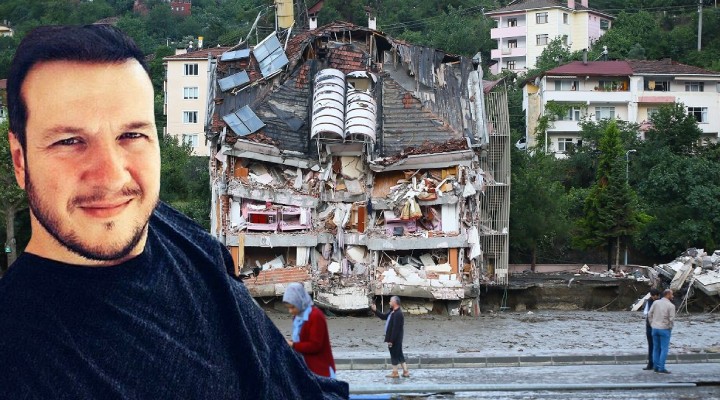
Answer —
(314, 344)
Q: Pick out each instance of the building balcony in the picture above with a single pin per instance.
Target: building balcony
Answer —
(587, 96)
(509, 31)
(564, 126)
(508, 52)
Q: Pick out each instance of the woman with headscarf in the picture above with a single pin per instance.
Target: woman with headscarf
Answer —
(310, 333)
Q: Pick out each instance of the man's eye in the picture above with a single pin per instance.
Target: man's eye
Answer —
(132, 135)
(67, 142)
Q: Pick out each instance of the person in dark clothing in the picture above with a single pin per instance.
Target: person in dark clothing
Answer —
(117, 295)
(654, 295)
(394, 331)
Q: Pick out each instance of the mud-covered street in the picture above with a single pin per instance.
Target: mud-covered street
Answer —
(516, 334)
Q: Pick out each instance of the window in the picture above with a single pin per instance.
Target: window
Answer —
(573, 114)
(562, 84)
(542, 40)
(565, 18)
(657, 85)
(190, 92)
(612, 85)
(541, 18)
(190, 117)
(191, 69)
(512, 44)
(700, 113)
(604, 113)
(191, 140)
(511, 65)
(652, 111)
(512, 22)
(565, 144)
(565, 39)
(694, 86)
(604, 24)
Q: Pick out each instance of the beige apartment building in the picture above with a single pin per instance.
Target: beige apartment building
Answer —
(186, 94)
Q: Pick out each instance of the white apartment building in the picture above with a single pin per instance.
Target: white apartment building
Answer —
(186, 96)
(525, 27)
(627, 90)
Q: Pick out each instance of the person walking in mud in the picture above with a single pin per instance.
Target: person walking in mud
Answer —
(661, 316)
(394, 331)
(654, 295)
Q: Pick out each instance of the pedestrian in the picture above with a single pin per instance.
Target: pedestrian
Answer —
(394, 331)
(310, 335)
(117, 295)
(654, 294)
(661, 316)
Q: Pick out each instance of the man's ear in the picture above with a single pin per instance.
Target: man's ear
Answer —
(18, 157)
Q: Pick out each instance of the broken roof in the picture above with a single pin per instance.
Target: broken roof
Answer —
(423, 95)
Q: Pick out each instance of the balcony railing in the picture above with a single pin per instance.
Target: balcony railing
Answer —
(509, 31)
(506, 52)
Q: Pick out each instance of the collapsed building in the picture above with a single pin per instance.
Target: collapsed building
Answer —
(359, 165)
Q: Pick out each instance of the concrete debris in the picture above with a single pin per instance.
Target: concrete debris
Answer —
(695, 267)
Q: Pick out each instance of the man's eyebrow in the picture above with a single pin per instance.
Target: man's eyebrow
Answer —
(50, 133)
(138, 125)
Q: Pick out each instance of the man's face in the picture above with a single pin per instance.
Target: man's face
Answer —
(91, 164)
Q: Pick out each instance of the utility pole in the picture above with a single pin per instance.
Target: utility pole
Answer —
(700, 24)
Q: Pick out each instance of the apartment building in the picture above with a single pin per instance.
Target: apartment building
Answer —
(525, 27)
(186, 94)
(628, 90)
(360, 166)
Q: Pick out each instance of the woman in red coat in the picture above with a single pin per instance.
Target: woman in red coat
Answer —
(310, 333)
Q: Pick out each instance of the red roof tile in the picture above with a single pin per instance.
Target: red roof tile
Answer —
(667, 67)
(593, 68)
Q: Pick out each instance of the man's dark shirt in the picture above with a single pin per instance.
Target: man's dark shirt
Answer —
(396, 327)
(168, 324)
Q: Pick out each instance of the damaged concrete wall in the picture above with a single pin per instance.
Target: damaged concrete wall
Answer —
(394, 211)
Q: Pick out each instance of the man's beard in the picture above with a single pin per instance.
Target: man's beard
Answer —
(69, 239)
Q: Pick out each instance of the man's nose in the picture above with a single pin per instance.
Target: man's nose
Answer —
(108, 166)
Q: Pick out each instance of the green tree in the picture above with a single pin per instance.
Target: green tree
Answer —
(538, 218)
(637, 52)
(555, 54)
(611, 210)
(12, 198)
(675, 129)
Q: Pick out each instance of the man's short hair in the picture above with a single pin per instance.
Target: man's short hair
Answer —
(88, 43)
(654, 292)
(397, 299)
(666, 292)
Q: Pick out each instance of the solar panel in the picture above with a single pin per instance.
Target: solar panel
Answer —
(270, 55)
(243, 121)
(235, 55)
(235, 80)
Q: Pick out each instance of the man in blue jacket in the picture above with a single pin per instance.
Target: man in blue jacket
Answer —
(117, 295)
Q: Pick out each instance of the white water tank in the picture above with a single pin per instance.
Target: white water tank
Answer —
(360, 106)
(328, 115)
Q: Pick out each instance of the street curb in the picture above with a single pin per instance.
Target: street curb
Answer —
(366, 363)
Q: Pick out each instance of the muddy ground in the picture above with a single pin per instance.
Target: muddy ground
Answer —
(533, 333)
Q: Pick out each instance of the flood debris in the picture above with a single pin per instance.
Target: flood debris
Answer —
(361, 166)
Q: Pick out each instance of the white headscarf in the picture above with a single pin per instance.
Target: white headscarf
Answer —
(296, 295)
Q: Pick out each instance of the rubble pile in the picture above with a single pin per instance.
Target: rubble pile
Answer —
(696, 268)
